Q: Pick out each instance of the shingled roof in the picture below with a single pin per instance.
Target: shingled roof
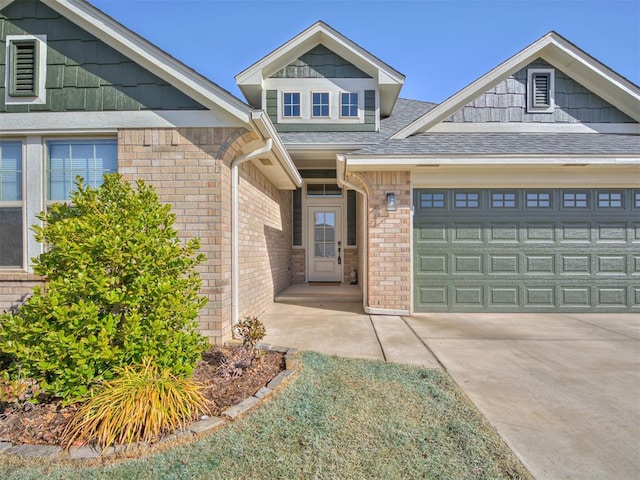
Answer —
(488, 143)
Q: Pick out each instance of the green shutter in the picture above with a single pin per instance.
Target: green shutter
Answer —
(297, 217)
(24, 68)
(352, 229)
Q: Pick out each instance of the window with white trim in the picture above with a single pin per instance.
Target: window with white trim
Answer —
(25, 71)
(11, 205)
(540, 90)
(291, 104)
(320, 104)
(68, 159)
(348, 104)
(51, 165)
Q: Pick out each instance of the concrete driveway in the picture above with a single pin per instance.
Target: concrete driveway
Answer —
(563, 390)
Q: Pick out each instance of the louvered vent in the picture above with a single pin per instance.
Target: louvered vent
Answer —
(541, 90)
(24, 69)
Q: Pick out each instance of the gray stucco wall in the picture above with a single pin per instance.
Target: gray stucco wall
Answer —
(507, 102)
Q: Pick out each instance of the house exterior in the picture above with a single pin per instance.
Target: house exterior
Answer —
(519, 193)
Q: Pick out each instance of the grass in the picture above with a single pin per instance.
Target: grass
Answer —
(342, 419)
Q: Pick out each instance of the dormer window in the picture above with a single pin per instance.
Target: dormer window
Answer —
(349, 105)
(320, 104)
(291, 105)
(540, 90)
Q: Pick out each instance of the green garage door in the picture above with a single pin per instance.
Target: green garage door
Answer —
(560, 250)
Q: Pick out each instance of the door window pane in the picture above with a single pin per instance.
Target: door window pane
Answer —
(324, 234)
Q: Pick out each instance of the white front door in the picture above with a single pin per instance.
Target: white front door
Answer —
(325, 249)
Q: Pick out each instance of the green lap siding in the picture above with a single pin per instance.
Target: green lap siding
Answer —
(521, 259)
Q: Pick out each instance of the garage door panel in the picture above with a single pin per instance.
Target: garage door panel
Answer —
(431, 232)
(504, 297)
(502, 264)
(540, 232)
(571, 232)
(467, 232)
(539, 264)
(575, 265)
(547, 258)
(576, 296)
(503, 233)
(611, 232)
(433, 264)
(467, 264)
(611, 296)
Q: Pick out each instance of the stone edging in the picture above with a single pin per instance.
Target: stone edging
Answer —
(234, 412)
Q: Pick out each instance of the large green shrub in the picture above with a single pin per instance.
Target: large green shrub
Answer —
(121, 288)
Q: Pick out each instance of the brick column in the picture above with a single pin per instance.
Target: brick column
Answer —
(389, 241)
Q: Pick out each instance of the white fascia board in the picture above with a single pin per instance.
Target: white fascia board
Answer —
(111, 121)
(551, 47)
(497, 127)
(389, 163)
(339, 147)
(266, 129)
(150, 57)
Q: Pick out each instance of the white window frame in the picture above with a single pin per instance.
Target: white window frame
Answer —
(41, 99)
(328, 104)
(531, 106)
(18, 204)
(357, 105)
(299, 105)
(34, 188)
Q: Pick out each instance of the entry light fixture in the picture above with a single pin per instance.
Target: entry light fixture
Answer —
(392, 203)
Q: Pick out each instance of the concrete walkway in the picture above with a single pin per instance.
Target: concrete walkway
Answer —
(563, 390)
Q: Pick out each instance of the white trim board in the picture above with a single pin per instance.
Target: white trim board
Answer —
(18, 123)
(389, 163)
(496, 127)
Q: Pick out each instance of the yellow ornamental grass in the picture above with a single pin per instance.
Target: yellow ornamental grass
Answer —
(142, 403)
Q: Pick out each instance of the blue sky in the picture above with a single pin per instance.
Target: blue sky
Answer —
(440, 45)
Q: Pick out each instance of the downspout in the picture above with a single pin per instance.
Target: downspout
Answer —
(342, 182)
(235, 219)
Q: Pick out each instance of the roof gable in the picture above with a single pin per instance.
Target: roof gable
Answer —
(148, 56)
(561, 54)
(389, 80)
(320, 62)
(506, 102)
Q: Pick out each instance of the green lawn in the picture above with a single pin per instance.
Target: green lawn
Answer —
(342, 419)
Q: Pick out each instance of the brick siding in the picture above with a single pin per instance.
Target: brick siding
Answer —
(389, 237)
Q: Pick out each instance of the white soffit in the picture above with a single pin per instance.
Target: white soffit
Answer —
(560, 53)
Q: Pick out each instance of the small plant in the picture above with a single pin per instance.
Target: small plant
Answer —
(251, 330)
(18, 391)
(139, 405)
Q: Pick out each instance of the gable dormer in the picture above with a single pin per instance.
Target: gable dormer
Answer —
(322, 81)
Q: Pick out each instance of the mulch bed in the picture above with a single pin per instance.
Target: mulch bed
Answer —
(229, 374)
